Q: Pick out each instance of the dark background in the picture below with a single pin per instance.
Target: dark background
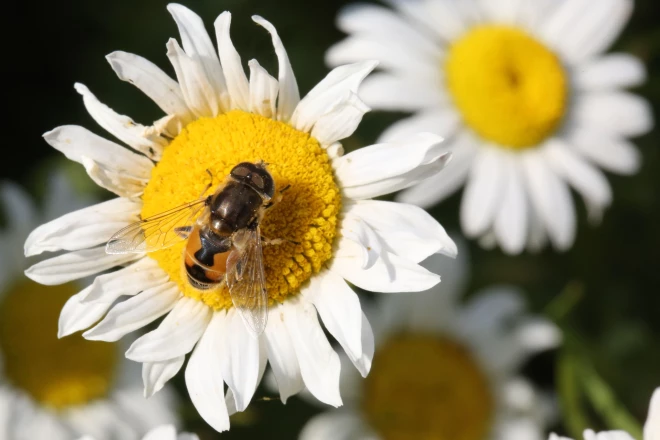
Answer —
(605, 291)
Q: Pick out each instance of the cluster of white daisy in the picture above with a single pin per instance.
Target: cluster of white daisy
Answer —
(512, 98)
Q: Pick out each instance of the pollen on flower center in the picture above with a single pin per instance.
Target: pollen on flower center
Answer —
(59, 373)
(305, 219)
(427, 387)
(509, 88)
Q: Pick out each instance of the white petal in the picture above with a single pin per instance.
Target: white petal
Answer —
(380, 169)
(390, 273)
(608, 151)
(580, 29)
(444, 122)
(581, 175)
(537, 235)
(141, 275)
(614, 112)
(319, 364)
(76, 315)
(444, 18)
(652, 426)
(330, 92)
(198, 46)
(334, 425)
(204, 378)
(75, 265)
(237, 82)
(490, 309)
(610, 72)
(122, 127)
(165, 432)
(341, 121)
(263, 91)
(355, 229)
(134, 313)
(441, 185)
(519, 428)
(84, 228)
(537, 334)
(281, 355)
(511, 218)
(289, 95)
(114, 181)
(198, 93)
(339, 308)
(156, 374)
(406, 230)
(385, 91)
(551, 198)
(238, 351)
(152, 81)
(484, 191)
(176, 335)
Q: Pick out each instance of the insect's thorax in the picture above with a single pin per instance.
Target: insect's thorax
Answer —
(235, 207)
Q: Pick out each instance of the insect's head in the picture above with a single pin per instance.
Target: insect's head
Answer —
(257, 176)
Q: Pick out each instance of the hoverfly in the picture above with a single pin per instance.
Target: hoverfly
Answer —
(224, 243)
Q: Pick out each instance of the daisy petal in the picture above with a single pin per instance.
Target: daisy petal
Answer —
(510, 224)
(403, 93)
(156, 374)
(552, 199)
(355, 229)
(319, 364)
(152, 81)
(76, 315)
(335, 425)
(652, 426)
(281, 355)
(363, 364)
(237, 82)
(339, 308)
(581, 175)
(443, 122)
(611, 72)
(176, 335)
(390, 273)
(579, 29)
(204, 378)
(406, 230)
(289, 96)
(619, 113)
(75, 265)
(610, 152)
(84, 228)
(122, 127)
(384, 168)
(443, 18)
(332, 91)
(263, 91)
(483, 191)
(238, 351)
(341, 121)
(135, 313)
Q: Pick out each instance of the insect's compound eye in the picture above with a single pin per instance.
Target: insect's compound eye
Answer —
(242, 169)
(257, 181)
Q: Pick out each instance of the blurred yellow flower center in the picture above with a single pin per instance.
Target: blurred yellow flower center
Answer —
(427, 387)
(305, 219)
(509, 88)
(56, 372)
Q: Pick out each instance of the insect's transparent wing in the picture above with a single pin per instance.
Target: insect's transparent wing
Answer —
(156, 232)
(246, 280)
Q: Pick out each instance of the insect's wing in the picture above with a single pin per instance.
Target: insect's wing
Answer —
(246, 280)
(156, 232)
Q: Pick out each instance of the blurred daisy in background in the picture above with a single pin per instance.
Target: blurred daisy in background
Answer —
(521, 89)
(50, 388)
(164, 432)
(445, 368)
(651, 428)
(331, 229)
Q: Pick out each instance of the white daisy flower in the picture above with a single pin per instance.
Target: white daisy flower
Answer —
(530, 105)
(164, 432)
(50, 388)
(651, 428)
(445, 369)
(332, 231)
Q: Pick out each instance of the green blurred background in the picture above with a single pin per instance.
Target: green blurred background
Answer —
(605, 291)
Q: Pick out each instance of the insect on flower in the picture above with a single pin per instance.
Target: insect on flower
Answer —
(224, 240)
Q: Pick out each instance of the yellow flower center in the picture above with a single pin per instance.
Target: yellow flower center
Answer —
(305, 219)
(509, 88)
(427, 387)
(58, 373)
